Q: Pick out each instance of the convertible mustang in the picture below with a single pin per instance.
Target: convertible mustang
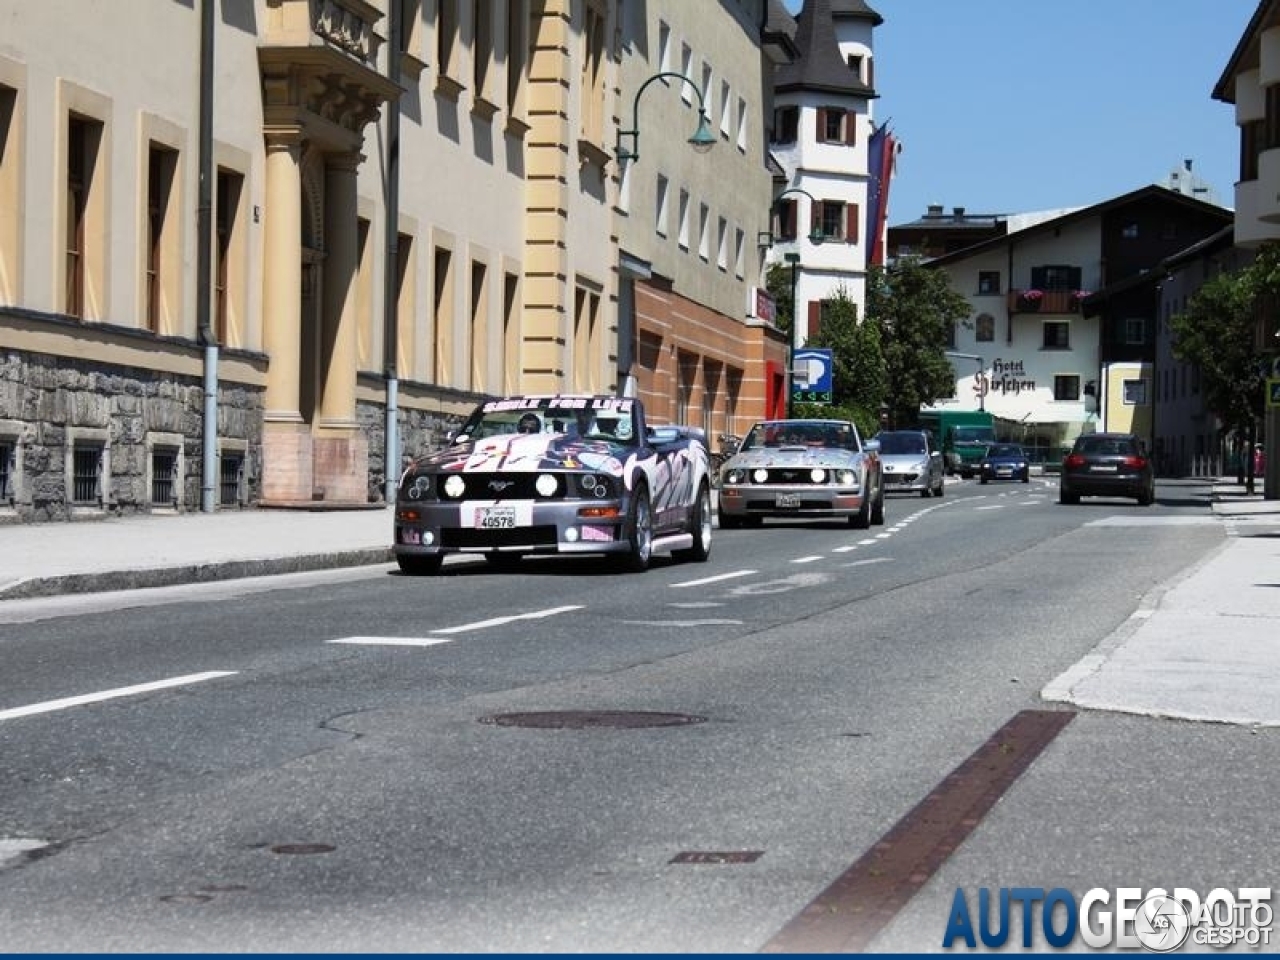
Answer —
(802, 468)
(557, 474)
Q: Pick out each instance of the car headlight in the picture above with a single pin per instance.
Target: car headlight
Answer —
(760, 476)
(455, 486)
(546, 484)
(735, 476)
(419, 487)
(593, 486)
(817, 475)
(848, 478)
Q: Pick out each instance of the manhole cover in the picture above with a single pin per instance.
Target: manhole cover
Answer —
(586, 719)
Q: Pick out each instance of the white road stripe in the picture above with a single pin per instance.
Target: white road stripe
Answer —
(716, 579)
(994, 506)
(869, 540)
(49, 706)
(860, 563)
(846, 549)
(499, 621)
(806, 559)
(392, 641)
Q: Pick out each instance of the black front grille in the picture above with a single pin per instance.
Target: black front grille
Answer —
(462, 538)
(801, 505)
(520, 486)
(796, 475)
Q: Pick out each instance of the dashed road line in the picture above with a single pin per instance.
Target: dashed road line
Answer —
(49, 706)
(716, 579)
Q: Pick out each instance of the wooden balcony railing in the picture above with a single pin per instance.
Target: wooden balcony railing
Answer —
(1049, 301)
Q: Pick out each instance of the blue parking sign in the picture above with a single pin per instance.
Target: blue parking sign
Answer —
(812, 375)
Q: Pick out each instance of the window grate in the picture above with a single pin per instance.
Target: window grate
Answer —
(231, 470)
(6, 472)
(164, 469)
(86, 474)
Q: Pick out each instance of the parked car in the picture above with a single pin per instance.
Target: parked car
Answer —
(1107, 465)
(802, 468)
(911, 461)
(1004, 461)
(563, 474)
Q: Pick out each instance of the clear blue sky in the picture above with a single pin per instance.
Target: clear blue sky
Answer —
(1007, 106)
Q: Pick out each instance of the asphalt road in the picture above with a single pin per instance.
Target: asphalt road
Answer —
(334, 773)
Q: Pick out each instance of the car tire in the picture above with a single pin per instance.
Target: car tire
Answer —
(416, 566)
(728, 522)
(1146, 498)
(1064, 497)
(1026, 477)
(700, 526)
(877, 508)
(639, 532)
(942, 487)
(983, 479)
(862, 519)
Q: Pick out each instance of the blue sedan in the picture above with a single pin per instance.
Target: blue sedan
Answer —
(1004, 461)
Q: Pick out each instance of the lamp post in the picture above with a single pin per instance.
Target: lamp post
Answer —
(701, 141)
(765, 239)
(982, 392)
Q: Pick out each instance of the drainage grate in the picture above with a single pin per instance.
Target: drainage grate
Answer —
(589, 719)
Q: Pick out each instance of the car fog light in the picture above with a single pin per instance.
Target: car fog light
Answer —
(760, 476)
(428, 538)
(571, 534)
(455, 486)
(545, 484)
(817, 475)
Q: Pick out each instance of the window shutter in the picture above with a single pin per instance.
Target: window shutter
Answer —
(851, 223)
(787, 220)
(815, 318)
(850, 127)
(820, 130)
(1075, 274)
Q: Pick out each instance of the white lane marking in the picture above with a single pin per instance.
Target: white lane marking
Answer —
(994, 506)
(683, 623)
(49, 706)
(806, 559)
(860, 563)
(846, 549)
(392, 641)
(716, 579)
(882, 536)
(863, 543)
(1141, 614)
(499, 621)
(696, 604)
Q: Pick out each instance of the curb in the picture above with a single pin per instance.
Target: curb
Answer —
(74, 583)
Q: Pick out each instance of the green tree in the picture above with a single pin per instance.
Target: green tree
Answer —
(777, 280)
(915, 309)
(858, 375)
(1215, 332)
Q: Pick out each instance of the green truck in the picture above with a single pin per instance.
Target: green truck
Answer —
(963, 435)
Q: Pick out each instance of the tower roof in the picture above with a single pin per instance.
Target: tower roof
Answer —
(820, 65)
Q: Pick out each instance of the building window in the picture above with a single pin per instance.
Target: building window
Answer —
(687, 367)
(406, 296)
(447, 40)
(1056, 277)
(1057, 336)
(786, 215)
(664, 46)
(722, 243)
(786, 124)
(726, 110)
(1135, 329)
(586, 340)
(10, 228)
(442, 316)
(1129, 231)
(593, 86)
(364, 297)
(836, 125)
(479, 327)
(707, 102)
(517, 57)
(164, 476)
(988, 282)
(86, 474)
(1135, 392)
(855, 65)
(683, 237)
(836, 220)
(81, 140)
(1066, 387)
(739, 253)
(686, 69)
(6, 471)
(227, 302)
(984, 328)
(660, 206)
(230, 480)
(742, 124)
(482, 49)
(161, 167)
(704, 231)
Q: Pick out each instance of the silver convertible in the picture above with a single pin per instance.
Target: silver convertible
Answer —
(557, 474)
(802, 468)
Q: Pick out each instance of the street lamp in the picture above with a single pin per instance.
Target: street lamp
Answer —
(765, 238)
(982, 393)
(701, 141)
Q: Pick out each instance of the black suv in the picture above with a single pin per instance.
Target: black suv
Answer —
(1107, 465)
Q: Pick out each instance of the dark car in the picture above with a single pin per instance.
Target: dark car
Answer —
(1107, 465)
(1004, 461)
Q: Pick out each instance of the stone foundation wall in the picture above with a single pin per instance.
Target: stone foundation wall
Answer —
(48, 405)
(419, 432)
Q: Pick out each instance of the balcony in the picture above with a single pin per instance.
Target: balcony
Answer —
(1050, 301)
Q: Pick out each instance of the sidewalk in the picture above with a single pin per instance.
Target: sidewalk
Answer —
(1205, 647)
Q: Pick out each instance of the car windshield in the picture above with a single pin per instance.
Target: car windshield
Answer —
(1004, 450)
(902, 443)
(587, 418)
(801, 433)
(974, 435)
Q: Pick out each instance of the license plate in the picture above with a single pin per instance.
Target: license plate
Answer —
(1005, 471)
(1104, 468)
(787, 500)
(496, 518)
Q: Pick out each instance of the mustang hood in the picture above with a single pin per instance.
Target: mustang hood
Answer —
(794, 457)
(526, 452)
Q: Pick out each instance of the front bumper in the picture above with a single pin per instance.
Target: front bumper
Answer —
(789, 500)
(905, 481)
(433, 529)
